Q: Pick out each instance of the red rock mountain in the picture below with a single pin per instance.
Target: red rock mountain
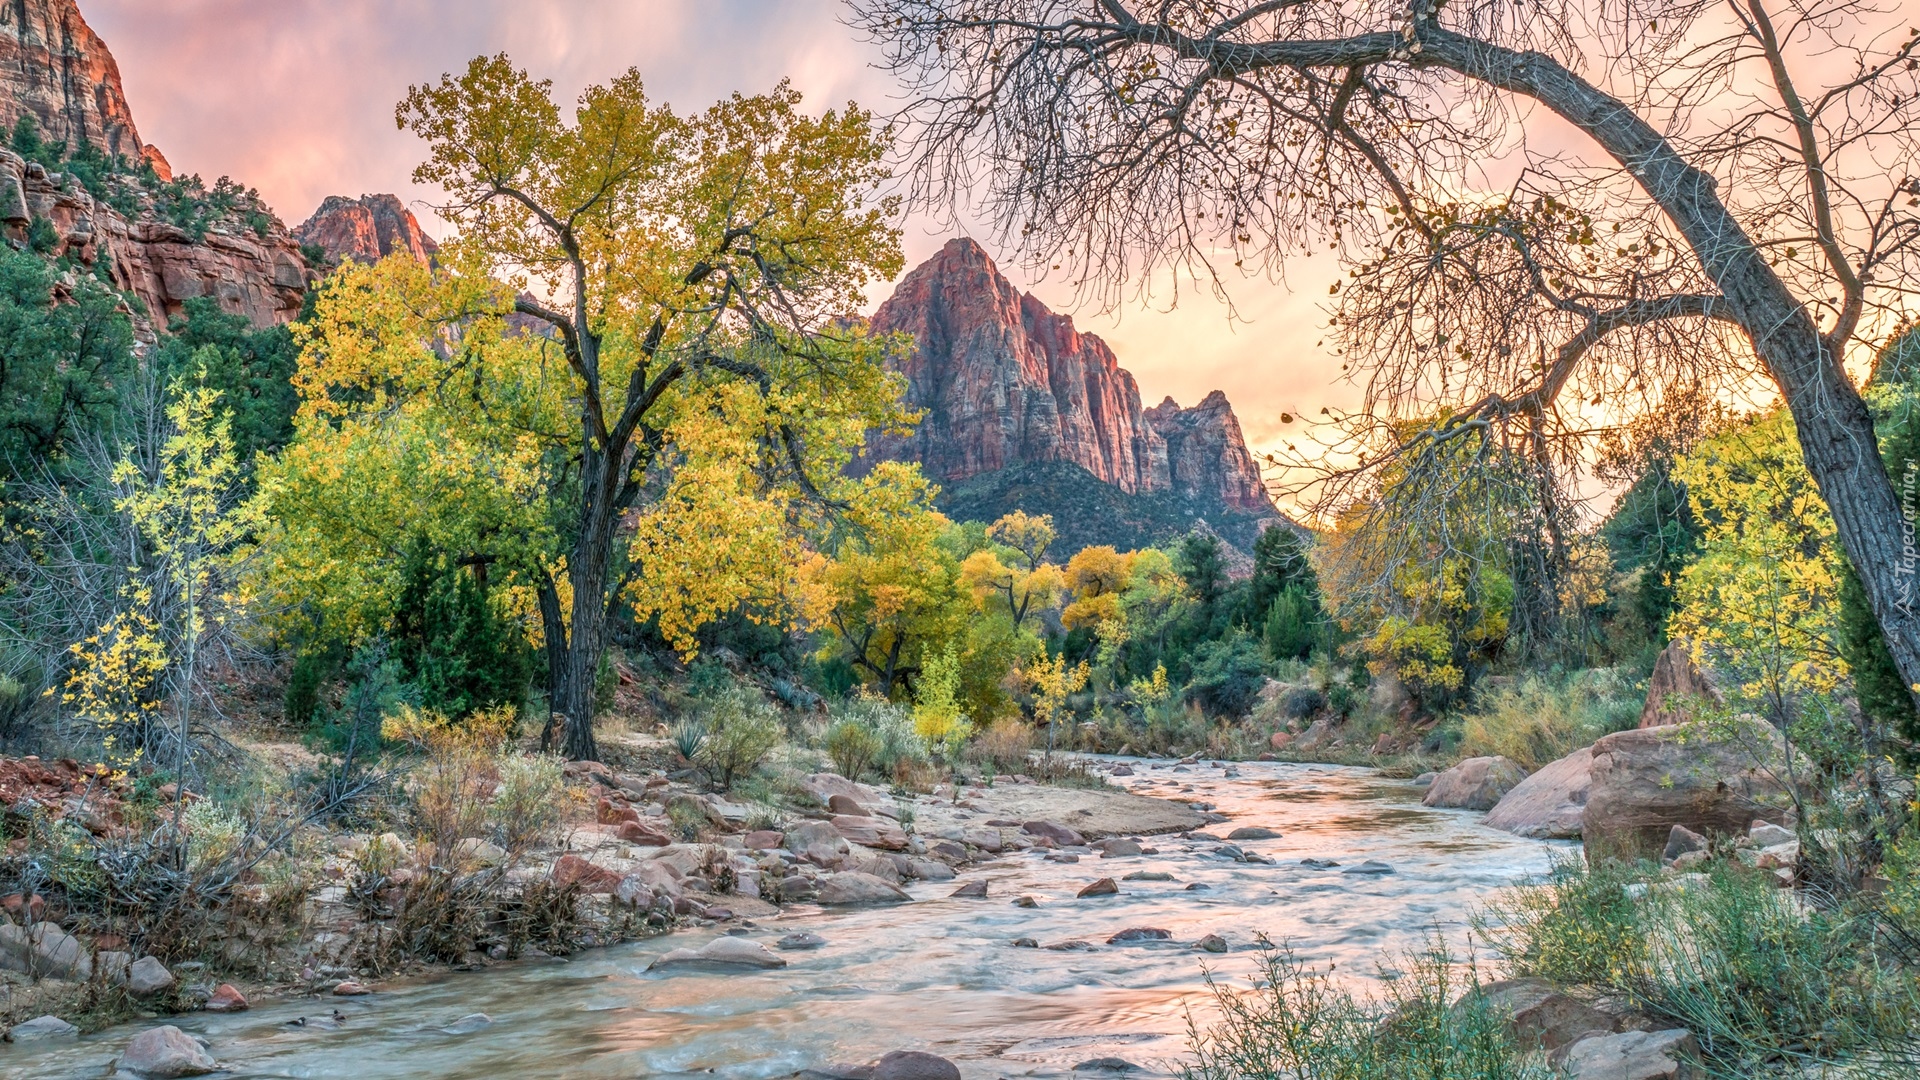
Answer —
(366, 229)
(1005, 382)
(54, 67)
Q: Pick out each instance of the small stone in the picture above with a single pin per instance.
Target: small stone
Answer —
(800, 941)
(1370, 867)
(1212, 943)
(351, 989)
(1106, 886)
(633, 832)
(1631, 1055)
(1062, 857)
(915, 1065)
(1318, 864)
(1148, 875)
(1070, 945)
(591, 878)
(1765, 834)
(972, 890)
(1681, 840)
(165, 1052)
(1199, 887)
(227, 998)
(1117, 849)
(1139, 933)
(42, 1027)
(1059, 834)
(1106, 1064)
(1025, 943)
(764, 840)
(1026, 902)
(1254, 832)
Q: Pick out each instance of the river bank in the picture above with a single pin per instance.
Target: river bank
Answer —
(938, 972)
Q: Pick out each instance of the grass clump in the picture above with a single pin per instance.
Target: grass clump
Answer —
(1296, 1022)
(1763, 978)
(1540, 719)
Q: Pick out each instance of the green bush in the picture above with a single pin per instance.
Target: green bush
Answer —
(742, 729)
(1298, 1023)
(852, 746)
(1292, 626)
(1762, 977)
(891, 726)
(1228, 675)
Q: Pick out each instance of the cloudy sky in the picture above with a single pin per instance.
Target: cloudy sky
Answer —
(296, 97)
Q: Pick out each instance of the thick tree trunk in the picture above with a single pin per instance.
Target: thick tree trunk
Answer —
(587, 571)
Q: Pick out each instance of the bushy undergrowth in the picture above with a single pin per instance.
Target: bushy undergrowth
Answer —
(1541, 718)
(1296, 1022)
(1763, 978)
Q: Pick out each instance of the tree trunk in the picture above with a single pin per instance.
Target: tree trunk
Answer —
(587, 570)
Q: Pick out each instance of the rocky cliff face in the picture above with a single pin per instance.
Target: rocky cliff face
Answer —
(366, 229)
(55, 68)
(242, 258)
(1005, 383)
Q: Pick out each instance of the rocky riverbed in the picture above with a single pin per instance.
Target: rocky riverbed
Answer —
(1031, 978)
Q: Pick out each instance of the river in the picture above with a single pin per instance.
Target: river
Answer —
(939, 974)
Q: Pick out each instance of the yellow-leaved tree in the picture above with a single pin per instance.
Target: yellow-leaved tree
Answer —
(1762, 600)
(677, 389)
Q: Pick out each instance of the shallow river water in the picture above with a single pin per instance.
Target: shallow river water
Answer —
(938, 974)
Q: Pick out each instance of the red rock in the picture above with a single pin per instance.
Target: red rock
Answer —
(1004, 381)
(608, 812)
(226, 998)
(350, 989)
(1281, 739)
(635, 832)
(574, 870)
(764, 840)
(1678, 680)
(34, 907)
(54, 67)
(366, 229)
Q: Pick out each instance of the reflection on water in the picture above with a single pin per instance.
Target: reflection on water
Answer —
(939, 974)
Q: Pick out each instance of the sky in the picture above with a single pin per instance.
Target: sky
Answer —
(296, 98)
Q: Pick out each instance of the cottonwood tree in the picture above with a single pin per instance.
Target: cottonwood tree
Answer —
(1549, 212)
(691, 274)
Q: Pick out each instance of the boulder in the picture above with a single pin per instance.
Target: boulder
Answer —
(1117, 848)
(1475, 784)
(590, 877)
(764, 839)
(350, 989)
(1682, 841)
(641, 834)
(800, 941)
(1212, 943)
(165, 1052)
(915, 1065)
(1548, 805)
(1254, 832)
(1106, 886)
(972, 890)
(1539, 1016)
(474, 851)
(1765, 834)
(1134, 934)
(720, 953)
(44, 951)
(930, 870)
(1058, 834)
(854, 887)
(42, 1027)
(1369, 868)
(1677, 687)
(147, 976)
(838, 804)
(1713, 782)
(227, 998)
(817, 842)
(870, 833)
(1632, 1055)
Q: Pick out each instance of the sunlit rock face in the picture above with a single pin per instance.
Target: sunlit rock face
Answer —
(1004, 382)
(56, 69)
(366, 229)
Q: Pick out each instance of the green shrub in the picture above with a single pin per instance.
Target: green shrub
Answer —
(1540, 719)
(1762, 977)
(1298, 1023)
(1228, 675)
(742, 729)
(852, 746)
(1292, 627)
(892, 728)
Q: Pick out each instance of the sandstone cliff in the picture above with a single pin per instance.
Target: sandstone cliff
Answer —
(366, 229)
(56, 69)
(1011, 392)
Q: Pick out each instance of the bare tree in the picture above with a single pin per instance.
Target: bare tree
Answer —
(1544, 208)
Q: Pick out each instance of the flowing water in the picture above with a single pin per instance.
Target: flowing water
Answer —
(939, 974)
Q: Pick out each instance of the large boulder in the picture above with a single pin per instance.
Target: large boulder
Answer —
(1677, 688)
(1475, 784)
(44, 951)
(1714, 781)
(1540, 1016)
(870, 832)
(1549, 804)
(817, 842)
(165, 1052)
(915, 1065)
(854, 887)
(1632, 1055)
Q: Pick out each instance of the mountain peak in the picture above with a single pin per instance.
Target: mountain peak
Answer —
(54, 68)
(366, 229)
